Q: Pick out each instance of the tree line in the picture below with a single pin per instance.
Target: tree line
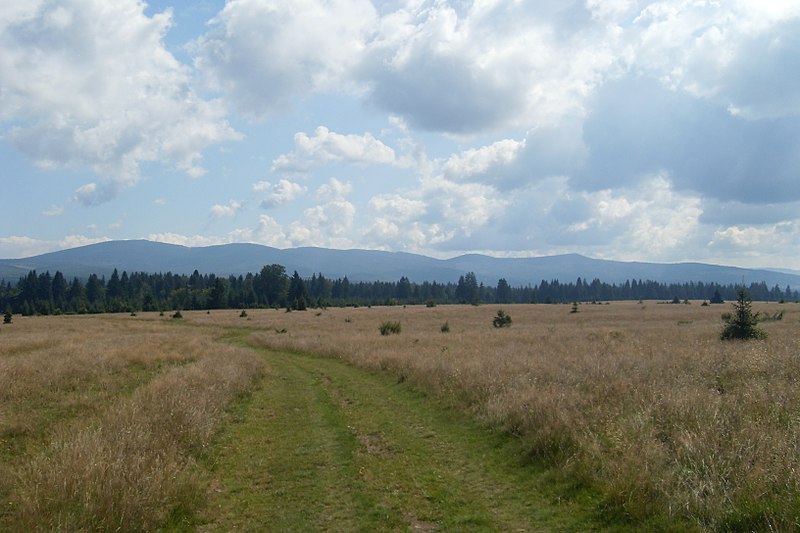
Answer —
(273, 287)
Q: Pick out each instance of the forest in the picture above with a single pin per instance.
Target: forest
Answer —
(272, 287)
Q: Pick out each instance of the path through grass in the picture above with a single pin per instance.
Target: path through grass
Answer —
(324, 446)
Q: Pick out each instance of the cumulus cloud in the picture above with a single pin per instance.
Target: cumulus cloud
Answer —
(279, 193)
(93, 194)
(53, 211)
(329, 223)
(91, 84)
(334, 190)
(445, 67)
(396, 207)
(756, 245)
(325, 146)
(480, 160)
(225, 210)
(267, 232)
(16, 247)
(264, 54)
(723, 51)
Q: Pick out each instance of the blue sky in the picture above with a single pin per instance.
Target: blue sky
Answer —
(654, 131)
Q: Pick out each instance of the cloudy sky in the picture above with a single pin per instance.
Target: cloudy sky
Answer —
(622, 129)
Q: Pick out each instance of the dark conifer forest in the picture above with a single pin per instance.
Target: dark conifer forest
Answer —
(45, 293)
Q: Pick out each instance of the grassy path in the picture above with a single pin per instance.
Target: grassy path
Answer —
(324, 446)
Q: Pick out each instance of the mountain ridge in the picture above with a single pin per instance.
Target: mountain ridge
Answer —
(371, 265)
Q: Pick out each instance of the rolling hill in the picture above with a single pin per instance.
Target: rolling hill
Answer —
(370, 265)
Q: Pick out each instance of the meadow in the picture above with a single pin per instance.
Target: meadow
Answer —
(102, 420)
(642, 401)
(105, 419)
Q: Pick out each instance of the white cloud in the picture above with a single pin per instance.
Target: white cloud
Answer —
(264, 54)
(267, 232)
(651, 221)
(186, 240)
(769, 238)
(279, 193)
(396, 207)
(93, 194)
(325, 146)
(14, 247)
(227, 210)
(466, 68)
(723, 51)
(481, 160)
(328, 224)
(465, 206)
(91, 84)
(53, 211)
(334, 190)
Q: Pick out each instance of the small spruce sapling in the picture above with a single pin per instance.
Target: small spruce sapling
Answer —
(742, 323)
(502, 320)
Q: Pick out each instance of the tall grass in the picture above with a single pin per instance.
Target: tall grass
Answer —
(641, 401)
(129, 463)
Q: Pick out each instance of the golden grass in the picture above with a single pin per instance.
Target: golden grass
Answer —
(641, 400)
(103, 418)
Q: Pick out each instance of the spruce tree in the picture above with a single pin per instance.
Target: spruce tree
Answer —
(742, 323)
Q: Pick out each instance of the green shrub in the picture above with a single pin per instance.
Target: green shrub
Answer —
(502, 320)
(574, 307)
(389, 328)
(766, 317)
(178, 314)
(243, 314)
(445, 327)
(7, 318)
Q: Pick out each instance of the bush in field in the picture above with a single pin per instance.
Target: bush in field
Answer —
(445, 327)
(574, 307)
(389, 328)
(243, 314)
(178, 314)
(502, 320)
(7, 318)
(742, 324)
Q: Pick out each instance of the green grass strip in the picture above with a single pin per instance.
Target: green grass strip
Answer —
(324, 446)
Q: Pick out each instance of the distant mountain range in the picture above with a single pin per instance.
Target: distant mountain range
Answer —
(370, 265)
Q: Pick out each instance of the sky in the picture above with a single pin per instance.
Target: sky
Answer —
(661, 131)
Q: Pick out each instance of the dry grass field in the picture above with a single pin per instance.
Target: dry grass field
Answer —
(639, 399)
(103, 418)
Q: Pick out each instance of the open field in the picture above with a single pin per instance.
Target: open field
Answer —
(642, 401)
(102, 420)
(112, 418)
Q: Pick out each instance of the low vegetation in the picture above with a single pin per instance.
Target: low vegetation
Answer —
(103, 421)
(502, 320)
(390, 328)
(110, 418)
(742, 323)
(670, 428)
